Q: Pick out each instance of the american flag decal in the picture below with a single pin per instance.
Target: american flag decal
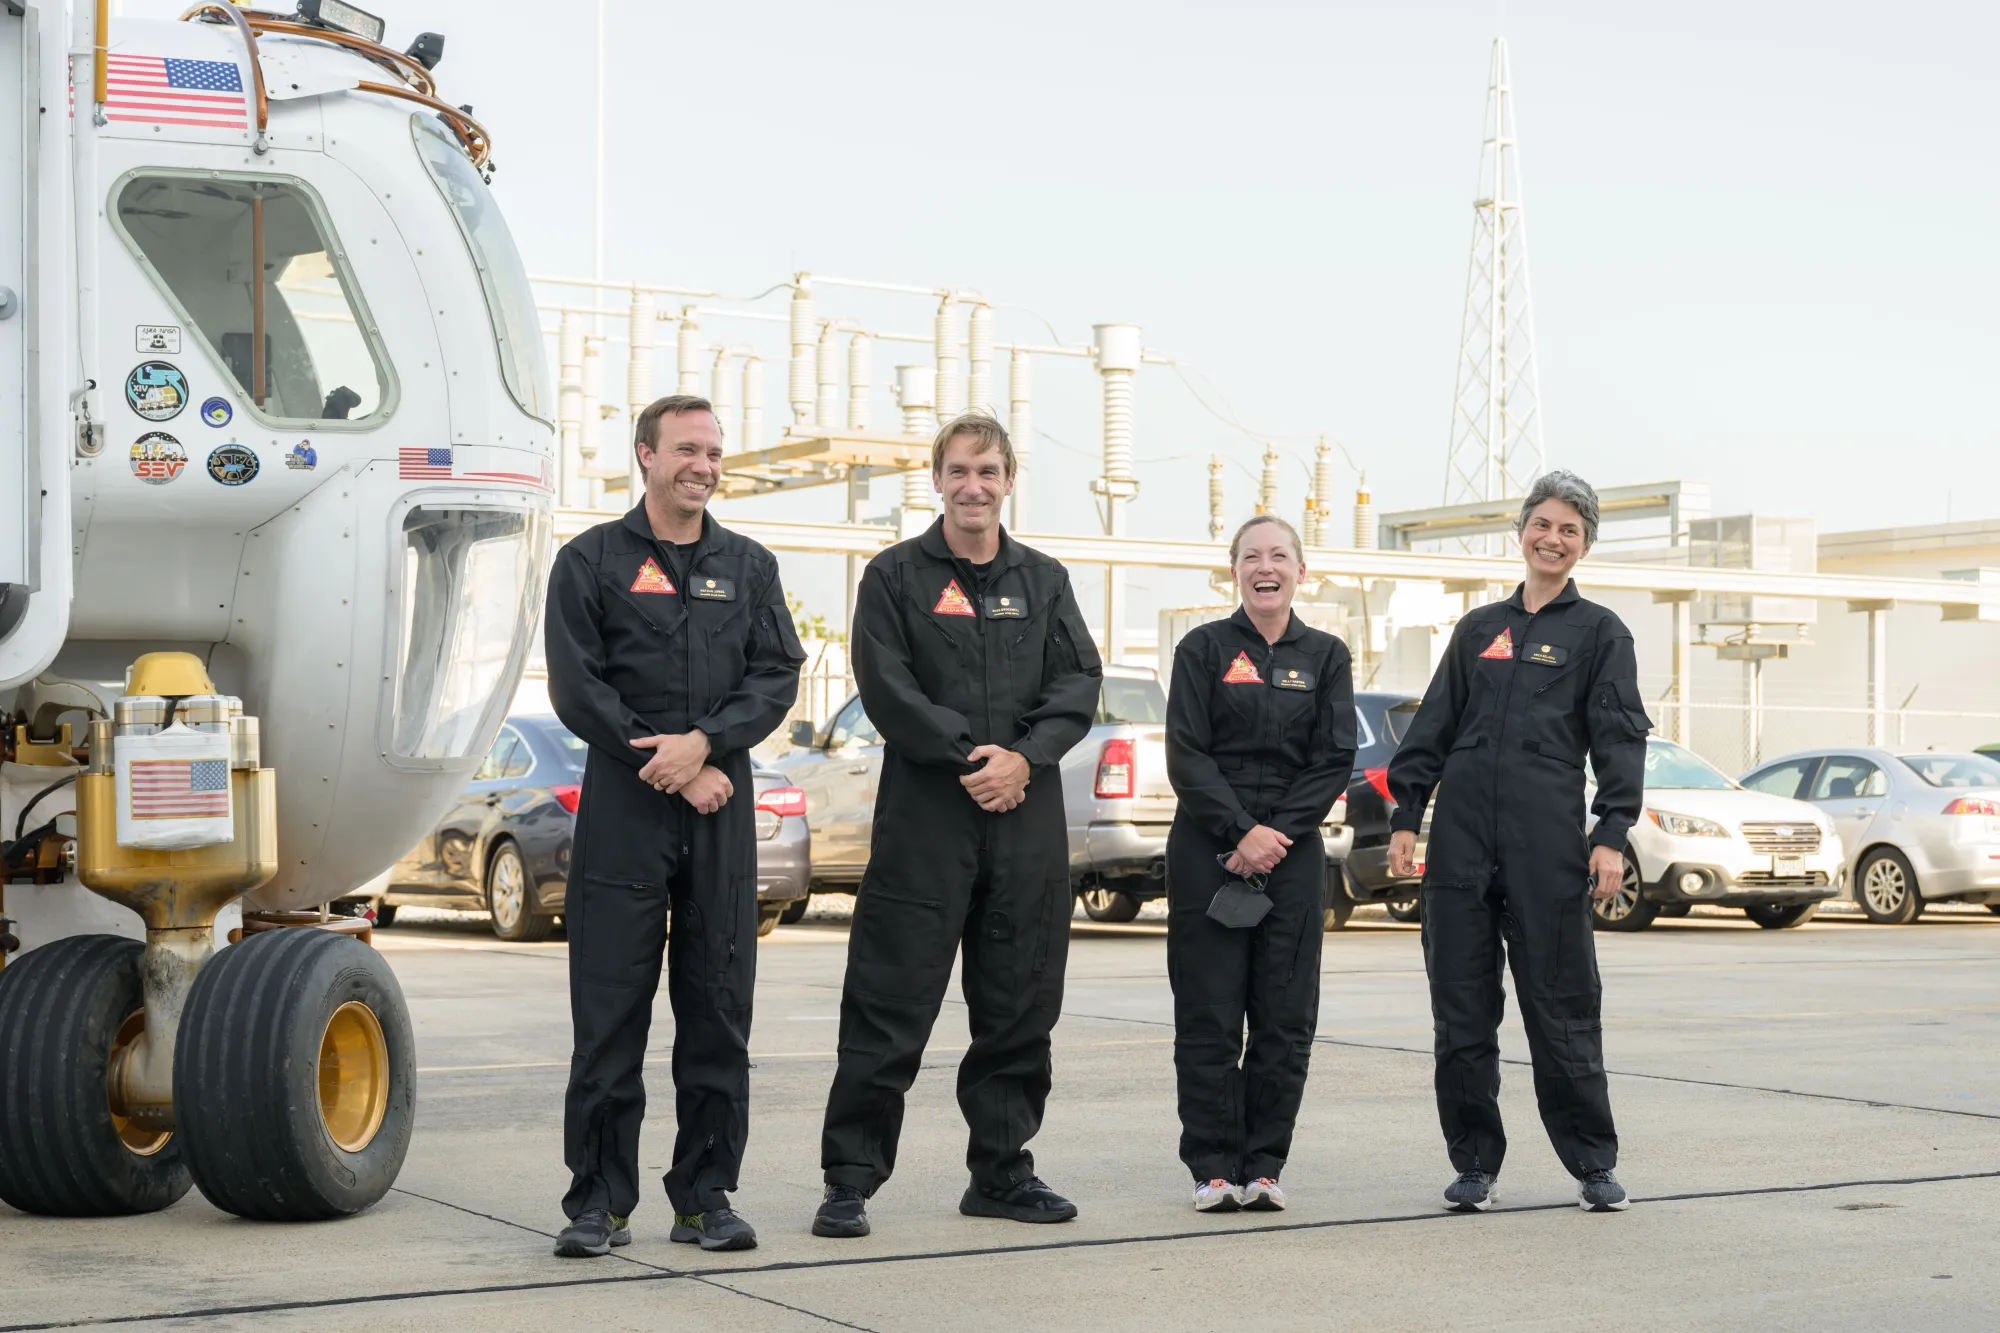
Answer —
(180, 789)
(423, 464)
(162, 90)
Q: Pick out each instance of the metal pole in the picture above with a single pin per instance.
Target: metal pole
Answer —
(753, 403)
(1119, 353)
(638, 383)
(687, 353)
(1878, 678)
(569, 409)
(859, 375)
(1021, 426)
(827, 409)
(949, 394)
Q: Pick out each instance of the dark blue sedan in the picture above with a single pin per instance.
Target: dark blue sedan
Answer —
(504, 846)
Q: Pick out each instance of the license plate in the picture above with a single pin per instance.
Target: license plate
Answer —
(1788, 867)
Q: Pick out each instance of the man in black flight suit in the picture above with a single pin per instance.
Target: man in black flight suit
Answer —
(1527, 687)
(974, 665)
(671, 653)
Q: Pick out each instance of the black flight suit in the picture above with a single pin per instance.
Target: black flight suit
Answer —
(1257, 733)
(946, 661)
(1501, 736)
(645, 638)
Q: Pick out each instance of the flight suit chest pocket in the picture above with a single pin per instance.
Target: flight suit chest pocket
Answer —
(1552, 659)
(645, 613)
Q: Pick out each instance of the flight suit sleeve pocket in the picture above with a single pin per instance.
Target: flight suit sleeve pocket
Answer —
(775, 629)
(1622, 711)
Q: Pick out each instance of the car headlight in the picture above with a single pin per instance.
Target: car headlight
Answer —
(1688, 826)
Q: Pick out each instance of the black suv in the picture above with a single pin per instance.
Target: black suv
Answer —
(1382, 721)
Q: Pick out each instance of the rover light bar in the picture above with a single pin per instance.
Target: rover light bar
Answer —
(343, 17)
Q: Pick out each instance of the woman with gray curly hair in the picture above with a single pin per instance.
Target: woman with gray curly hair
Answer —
(1528, 687)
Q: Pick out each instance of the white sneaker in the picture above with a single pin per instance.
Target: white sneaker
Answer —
(1217, 1196)
(1262, 1195)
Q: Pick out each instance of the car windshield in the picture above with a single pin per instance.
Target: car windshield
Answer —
(1131, 699)
(1955, 770)
(1670, 766)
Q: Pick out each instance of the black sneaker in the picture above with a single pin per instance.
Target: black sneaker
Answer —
(593, 1234)
(716, 1229)
(843, 1212)
(1472, 1192)
(1600, 1192)
(1025, 1201)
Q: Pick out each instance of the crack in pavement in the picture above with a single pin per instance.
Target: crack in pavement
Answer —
(708, 1276)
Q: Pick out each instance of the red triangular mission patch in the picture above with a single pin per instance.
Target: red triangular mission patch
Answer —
(952, 602)
(652, 579)
(1242, 672)
(1502, 646)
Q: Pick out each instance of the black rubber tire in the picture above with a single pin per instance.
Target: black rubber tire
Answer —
(767, 919)
(1993, 908)
(1773, 916)
(529, 926)
(1110, 905)
(1898, 911)
(246, 1078)
(1337, 904)
(1639, 911)
(385, 915)
(795, 912)
(1408, 911)
(60, 1009)
(1676, 910)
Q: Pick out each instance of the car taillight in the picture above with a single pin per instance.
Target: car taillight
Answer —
(1973, 805)
(1114, 770)
(1378, 778)
(783, 801)
(567, 796)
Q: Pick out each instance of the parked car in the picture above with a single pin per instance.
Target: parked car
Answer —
(1382, 720)
(1701, 838)
(1118, 802)
(505, 845)
(1918, 828)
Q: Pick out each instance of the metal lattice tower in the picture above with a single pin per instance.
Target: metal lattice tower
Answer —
(1496, 427)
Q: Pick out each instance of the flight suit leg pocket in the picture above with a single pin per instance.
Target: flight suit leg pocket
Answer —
(616, 937)
(731, 963)
(897, 942)
(1052, 936)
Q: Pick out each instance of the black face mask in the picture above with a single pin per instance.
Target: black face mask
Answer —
(1240, 903)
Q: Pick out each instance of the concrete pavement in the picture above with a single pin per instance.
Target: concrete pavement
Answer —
(1809, 1121)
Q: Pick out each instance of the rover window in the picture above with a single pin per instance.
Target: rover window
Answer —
(471, 583)
(516, 327)
(258, 277)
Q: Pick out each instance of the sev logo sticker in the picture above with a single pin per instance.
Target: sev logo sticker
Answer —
(652, 578)
(1242, 672)
(952, 601)
(1502, 647)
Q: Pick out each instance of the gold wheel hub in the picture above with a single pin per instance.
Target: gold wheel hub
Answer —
(353, 1076)
(138, 1139)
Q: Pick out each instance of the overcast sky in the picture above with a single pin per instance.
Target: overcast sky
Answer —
(1762, 235)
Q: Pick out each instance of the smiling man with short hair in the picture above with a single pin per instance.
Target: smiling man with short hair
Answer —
(974, 665)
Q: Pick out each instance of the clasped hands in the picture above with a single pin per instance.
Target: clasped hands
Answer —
(1259, 852)
(1000, 781)
(680, 766)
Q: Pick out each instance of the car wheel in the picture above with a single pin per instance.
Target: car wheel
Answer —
(1887, 890)
(510, 899)
(1337, 905)
(1780, 916)
(795, 912)
(1109, 905)
(1626, 909)
(767, 918)
(1409, 910)
(1676, 909)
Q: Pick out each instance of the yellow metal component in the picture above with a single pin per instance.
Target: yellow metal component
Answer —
(184, 889)
(353, 1076)
(142, 1140)
(169, 674)
(55, 755)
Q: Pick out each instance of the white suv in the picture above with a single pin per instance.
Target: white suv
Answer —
(1704, 839)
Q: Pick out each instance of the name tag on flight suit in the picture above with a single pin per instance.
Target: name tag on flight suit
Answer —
(712, 590)
(1292, 680)
(1546, 654)
(1004, 608)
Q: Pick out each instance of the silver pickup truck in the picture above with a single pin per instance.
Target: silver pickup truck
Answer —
(1115, 791)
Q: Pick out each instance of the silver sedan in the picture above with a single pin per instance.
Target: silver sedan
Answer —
(1918, 828)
